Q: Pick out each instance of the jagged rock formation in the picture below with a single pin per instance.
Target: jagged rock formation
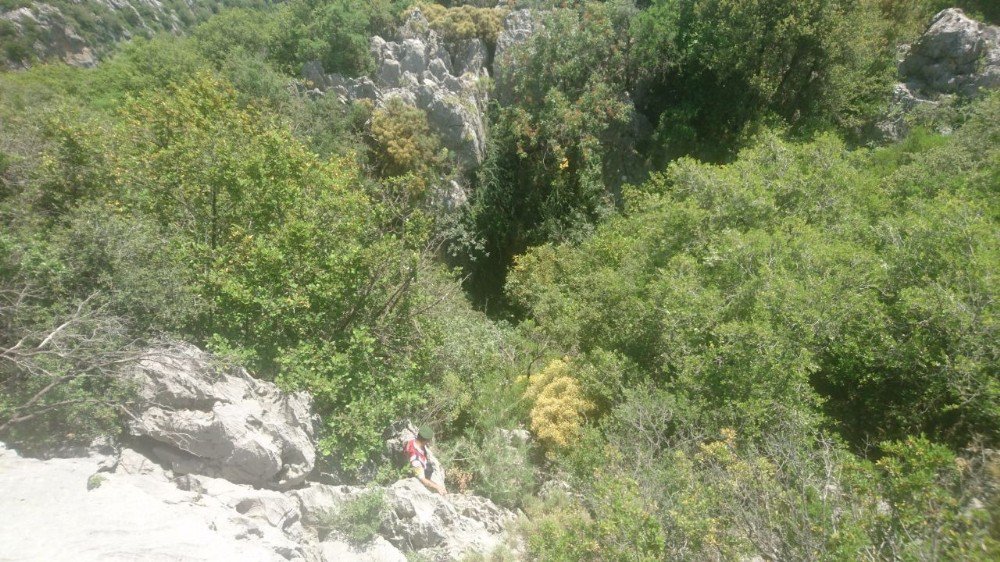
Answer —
(203, 419)
(444, 79)
(956, 56)
(438, 528)
(135, 502)
(420, 69)
(441, 528)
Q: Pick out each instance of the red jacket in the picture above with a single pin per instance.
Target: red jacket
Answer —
(415, 455)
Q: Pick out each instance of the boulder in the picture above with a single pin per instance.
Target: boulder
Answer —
(317, 500)
(202, 418)
(956, 55)
(442, 527)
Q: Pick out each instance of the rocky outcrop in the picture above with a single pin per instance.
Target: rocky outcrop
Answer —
(441, 528)
(56, 38)
(217, 470)
(443, 78)
(956, 56)
(64, 509)
(418, 68)
(201, 418)
(45, 31)
(417, 520)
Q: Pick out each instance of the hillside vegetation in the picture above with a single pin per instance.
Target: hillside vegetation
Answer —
(733, 326)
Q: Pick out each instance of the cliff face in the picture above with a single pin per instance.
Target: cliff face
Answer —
(79, 32)
(220, 466)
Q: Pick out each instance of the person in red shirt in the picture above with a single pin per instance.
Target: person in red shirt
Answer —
(416, 452)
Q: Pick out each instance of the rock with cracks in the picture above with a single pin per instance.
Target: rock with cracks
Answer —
(442, 528)
(198, 417)
(194, 485)
(956, 56)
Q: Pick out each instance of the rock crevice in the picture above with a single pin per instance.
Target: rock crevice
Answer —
(217, 470)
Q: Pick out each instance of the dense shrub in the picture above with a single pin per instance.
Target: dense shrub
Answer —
(293, 260)
(559, 406)
(464, 22)
(358, 519)
(333, 32)
(60, 355)
(402, 140)
(620, 526)
(551, 171)
(793, 272)
(712, 68)
(495, 466)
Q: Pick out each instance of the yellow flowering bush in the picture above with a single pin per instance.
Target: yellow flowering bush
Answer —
(402, 140)
(464, 22)
(559, 405)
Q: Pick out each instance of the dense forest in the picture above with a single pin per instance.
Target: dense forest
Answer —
(734, 323)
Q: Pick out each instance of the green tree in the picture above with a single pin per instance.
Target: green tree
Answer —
(334, 32)
(300, 270)
(712, 70)
(798, 275)
(557, 155)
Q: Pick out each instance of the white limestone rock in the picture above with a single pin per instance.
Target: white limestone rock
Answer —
(378, 550)
(62, 509)
(417, 68)
(956, 55)
(222, 422)
(441, 527)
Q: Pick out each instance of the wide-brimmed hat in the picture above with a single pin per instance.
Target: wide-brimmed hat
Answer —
(426, 433)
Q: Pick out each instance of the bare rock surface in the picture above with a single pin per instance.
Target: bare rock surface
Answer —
(205, 419)
(49, 514)
(317, 500)
(217, 471)
(956, 56)
(378, 550)
(51, 31)
(442, 528)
